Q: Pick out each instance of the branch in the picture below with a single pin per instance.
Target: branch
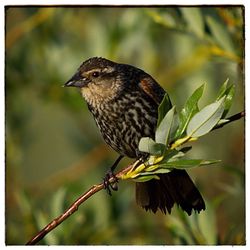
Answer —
(96, 188)
(231, 119)
(73, 208)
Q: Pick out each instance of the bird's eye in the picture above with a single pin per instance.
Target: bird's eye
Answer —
(95, 74)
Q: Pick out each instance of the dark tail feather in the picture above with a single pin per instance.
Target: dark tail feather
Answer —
(174, 187)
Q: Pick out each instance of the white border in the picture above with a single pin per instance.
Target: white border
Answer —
(117, 2)
(122, 2)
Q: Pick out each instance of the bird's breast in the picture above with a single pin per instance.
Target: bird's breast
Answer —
(124, 121)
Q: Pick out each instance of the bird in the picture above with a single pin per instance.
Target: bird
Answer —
(124, 101)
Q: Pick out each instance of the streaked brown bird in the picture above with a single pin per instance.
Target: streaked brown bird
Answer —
(124, 101)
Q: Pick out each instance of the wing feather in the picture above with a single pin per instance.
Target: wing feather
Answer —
(152, 89)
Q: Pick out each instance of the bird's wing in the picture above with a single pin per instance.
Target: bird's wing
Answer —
(152, 89)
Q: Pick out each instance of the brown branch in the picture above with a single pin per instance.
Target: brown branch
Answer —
(231, 119)
(96, 188)
(73, 208)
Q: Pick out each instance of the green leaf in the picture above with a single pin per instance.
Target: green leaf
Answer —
(148, 145)
(146, 178)
(194, 20)
(189, 109)
(166, 127)
(170, 154)
(228, 100)
(178, 155)
(162, 171)
(207, 225)
(222, 121)
(58, 201)
(157, 171)
(166, 20)
(223, 90)
(163, 108)
(188, 163)
(229, 93)
(204, 121)
(174, 127)
(220, 34)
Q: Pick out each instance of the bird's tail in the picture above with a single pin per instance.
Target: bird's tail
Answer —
(173, 187)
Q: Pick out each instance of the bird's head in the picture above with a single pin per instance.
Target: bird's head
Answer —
(98, 79)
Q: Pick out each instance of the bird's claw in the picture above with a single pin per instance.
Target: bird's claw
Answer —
(141, 157)
(110, 186)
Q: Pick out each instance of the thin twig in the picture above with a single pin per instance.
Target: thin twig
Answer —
(231, 119)
(73, 208)
(96, 188)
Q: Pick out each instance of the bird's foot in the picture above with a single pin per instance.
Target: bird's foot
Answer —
(141, 157)
(107, 184)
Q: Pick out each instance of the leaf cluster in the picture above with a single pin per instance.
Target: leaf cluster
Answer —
(174, 129)
(207, 27)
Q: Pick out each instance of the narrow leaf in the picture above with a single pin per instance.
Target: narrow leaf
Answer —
(228, 100)
(148, 145)
(151, 168)
(163, 108)
(169, 154)
(203, 121)
(155, 172)
(173, 129)
(220, 34)
(188, 163)
(189, 109)
(58, 201)
(146, 178)
(178, 155)
(207, 223)
(184, 163)
(222, 121)
(163, 131)
(194, 20)
(229, 93)
(162, 171)
(222, 90)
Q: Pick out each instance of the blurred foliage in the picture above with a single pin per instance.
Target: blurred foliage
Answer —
(54, 151)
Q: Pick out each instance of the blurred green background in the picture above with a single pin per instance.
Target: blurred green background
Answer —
(54, 151)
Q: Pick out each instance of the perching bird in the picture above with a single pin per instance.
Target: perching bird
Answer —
(124, 101)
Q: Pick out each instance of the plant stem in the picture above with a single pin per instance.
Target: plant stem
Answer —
(73, 208)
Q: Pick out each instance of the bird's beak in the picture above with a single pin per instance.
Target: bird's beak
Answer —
(77, 81)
